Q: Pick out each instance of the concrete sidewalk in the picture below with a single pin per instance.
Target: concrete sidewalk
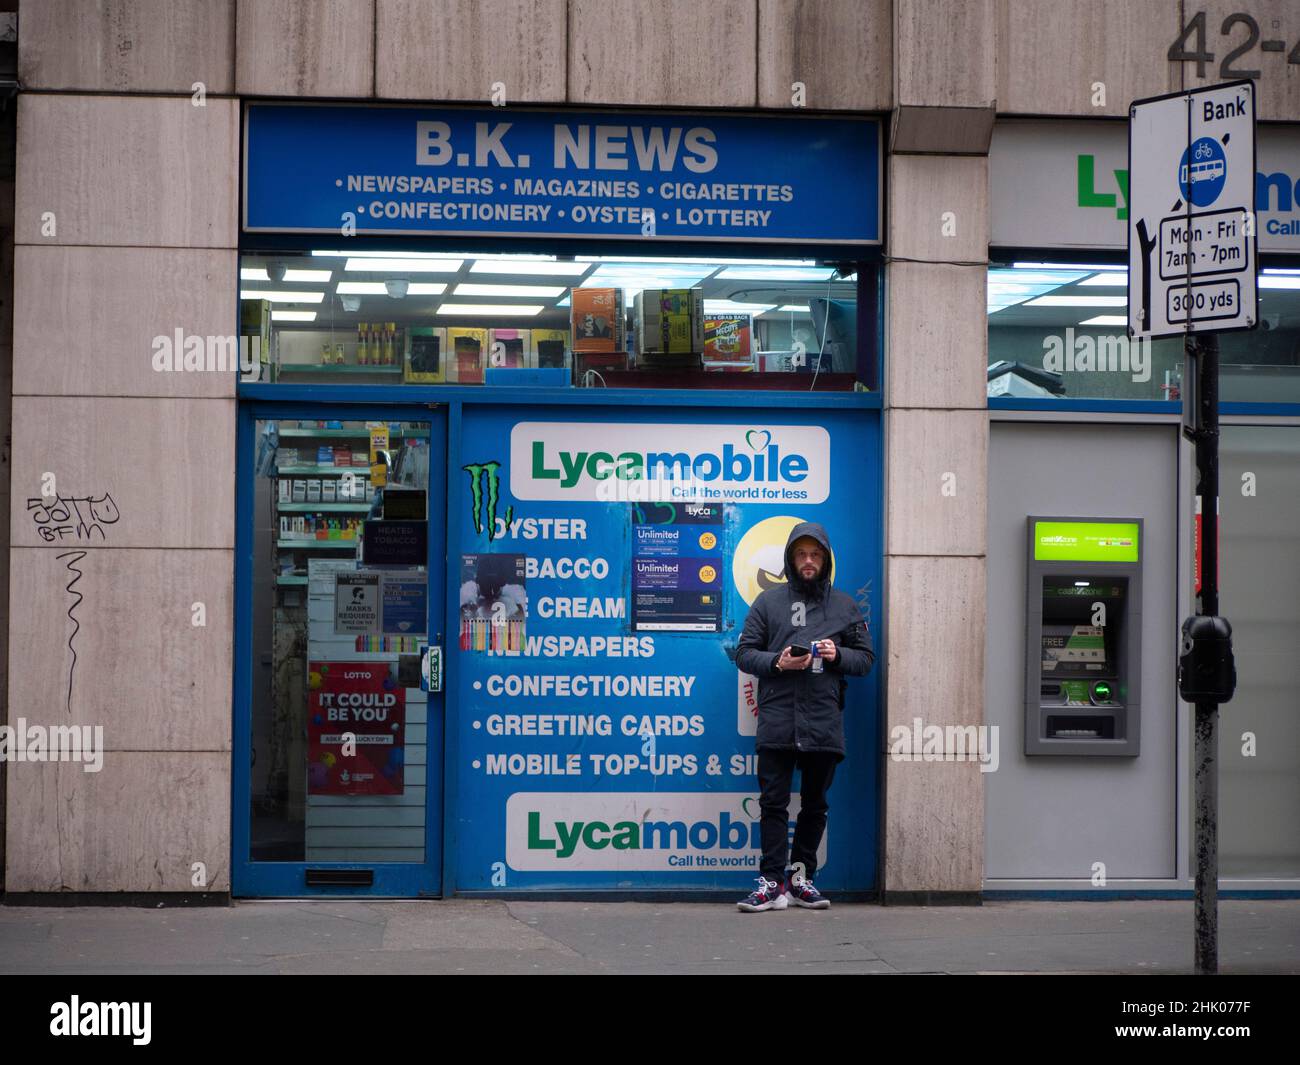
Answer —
(453, 936)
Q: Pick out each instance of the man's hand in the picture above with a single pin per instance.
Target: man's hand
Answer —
(827, 650)
(788, 662)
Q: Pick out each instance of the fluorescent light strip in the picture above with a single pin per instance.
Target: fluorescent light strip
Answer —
(756, 273)
(402, 266)
(445, 255)
(795, 308)
(702, 262)
(540, 267)
(309, 277)
(523, 310)
(1091, 267)
(1279, 270)
(378, 288)
(1108, 280)
(537, 292)
(1078, 301)
(293, 316)
(278, 295)
(730, 307)
(1106, 319)
(1279, 282)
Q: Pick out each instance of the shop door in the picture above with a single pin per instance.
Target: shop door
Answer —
(340, 563)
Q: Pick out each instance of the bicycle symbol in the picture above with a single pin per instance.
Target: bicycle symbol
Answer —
(1203, 150)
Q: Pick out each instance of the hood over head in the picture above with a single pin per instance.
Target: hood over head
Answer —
(818, 533)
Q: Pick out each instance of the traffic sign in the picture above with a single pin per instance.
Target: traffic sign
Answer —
(1192, 258)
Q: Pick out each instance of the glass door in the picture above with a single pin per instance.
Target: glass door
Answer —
(340, 595)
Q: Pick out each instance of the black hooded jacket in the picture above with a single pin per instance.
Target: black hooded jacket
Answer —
(799, 710)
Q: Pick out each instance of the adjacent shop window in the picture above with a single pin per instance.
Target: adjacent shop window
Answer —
(400, 317)
(1057, 330)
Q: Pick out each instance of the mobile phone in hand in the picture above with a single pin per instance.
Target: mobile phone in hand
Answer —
(798, 650)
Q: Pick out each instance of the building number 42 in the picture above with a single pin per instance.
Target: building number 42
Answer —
(1178, 51)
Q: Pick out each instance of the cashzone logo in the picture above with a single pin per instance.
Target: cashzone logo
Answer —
(666, 831)
(598, 461)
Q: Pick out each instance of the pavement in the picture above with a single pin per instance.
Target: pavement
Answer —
(490, 936)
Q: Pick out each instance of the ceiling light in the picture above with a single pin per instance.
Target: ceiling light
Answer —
(1106, 319)
(524, 309)
(1109, 280)
(731, 307)
(293, 316)
(707, 262)
(1279, 282)
(380, 288)
(772, 273)
(535, 291)
(276, 295)
(1092, 267)
(1078, 301)
(310, 277)
(528, 266)
(402, 266)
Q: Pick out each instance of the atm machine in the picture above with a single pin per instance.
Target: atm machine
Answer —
(1083, 636)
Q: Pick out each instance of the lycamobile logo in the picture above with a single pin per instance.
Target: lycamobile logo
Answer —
(616, 461)
(564, 837)
(763, 462)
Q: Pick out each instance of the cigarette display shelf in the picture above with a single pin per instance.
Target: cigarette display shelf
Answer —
(312, 508)
(360, 434)
(320, 545)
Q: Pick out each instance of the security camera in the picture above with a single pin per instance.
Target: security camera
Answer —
(350, 303)
(275, 271)
(396, 287)
(1270, 321)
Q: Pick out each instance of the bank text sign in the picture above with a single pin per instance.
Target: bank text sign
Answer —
(635, 462)
(498, 171)
(1192, 246)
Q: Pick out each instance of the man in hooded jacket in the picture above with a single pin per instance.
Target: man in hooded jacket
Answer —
(800, 711)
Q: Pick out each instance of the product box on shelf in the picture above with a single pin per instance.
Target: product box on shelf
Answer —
(550, 349)
(313, 490)
(466, 351)
(329, 489)
(324, 455)
(285, 490)
(510, 348)
(728, 342)
(343, 456)
(668, 321)
(425, 361)
(299, 492)
(597, 320)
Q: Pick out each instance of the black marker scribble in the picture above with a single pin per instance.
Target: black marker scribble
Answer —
(73, 558)
(54, 518)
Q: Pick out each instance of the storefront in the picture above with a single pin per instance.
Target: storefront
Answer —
(1085, 426)
(530, 405)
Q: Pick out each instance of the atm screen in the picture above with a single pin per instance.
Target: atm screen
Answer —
(1073, 651)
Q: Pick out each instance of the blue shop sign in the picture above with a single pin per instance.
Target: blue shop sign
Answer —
(476, 172)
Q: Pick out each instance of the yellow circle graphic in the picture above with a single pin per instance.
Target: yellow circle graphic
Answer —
(708, 574)
(708, 541)
(759, 561)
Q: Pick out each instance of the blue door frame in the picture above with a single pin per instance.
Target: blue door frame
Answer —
(442, 407)
(280, 879)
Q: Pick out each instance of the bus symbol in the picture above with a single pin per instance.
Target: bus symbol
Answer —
(1207, 171)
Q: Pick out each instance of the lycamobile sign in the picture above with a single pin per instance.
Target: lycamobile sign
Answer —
(635, 831)
(597, 461)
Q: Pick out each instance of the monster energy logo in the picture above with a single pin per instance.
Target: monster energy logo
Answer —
(479, 472)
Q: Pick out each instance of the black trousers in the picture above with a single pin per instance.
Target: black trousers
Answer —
(775, 772)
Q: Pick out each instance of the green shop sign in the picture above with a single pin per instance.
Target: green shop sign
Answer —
(1085, 541)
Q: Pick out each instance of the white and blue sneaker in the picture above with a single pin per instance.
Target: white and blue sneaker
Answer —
(769, 896)
(802, 893)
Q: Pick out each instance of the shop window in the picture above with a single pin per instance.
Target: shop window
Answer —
(1057, 330)
(435, 317)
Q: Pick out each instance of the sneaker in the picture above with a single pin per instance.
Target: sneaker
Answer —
(802, 893)
(769, 896)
